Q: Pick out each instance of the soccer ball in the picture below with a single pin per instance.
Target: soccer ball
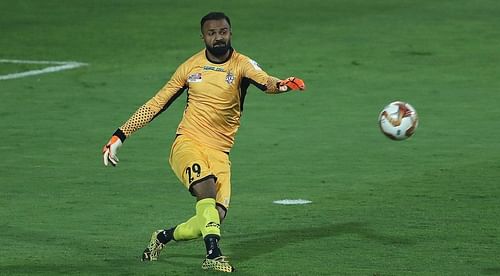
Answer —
(398, 120)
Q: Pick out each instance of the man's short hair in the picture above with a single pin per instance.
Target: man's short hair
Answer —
(214, 16)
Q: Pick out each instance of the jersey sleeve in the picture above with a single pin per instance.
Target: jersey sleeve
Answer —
(157, 104)
(259, 77)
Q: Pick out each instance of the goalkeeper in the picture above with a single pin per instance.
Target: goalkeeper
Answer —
(217, 79)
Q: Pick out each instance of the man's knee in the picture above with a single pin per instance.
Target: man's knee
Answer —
(204, 188)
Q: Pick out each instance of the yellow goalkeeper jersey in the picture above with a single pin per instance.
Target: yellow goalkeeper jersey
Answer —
(215, 96)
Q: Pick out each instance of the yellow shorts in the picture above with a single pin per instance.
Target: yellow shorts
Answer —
(193, 162)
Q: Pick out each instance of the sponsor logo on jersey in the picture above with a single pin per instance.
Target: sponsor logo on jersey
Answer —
(194, 77)
(230, 78)
(213, 68)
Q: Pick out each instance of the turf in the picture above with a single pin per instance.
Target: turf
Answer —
(425, 206)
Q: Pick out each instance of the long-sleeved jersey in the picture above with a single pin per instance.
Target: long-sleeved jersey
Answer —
(216, 93)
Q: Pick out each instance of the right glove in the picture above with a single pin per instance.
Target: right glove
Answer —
(110, 150)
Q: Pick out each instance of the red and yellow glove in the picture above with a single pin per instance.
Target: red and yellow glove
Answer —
(291, 83)
(110, 150)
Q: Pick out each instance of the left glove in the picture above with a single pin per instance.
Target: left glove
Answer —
(110, 150)
(291, 83)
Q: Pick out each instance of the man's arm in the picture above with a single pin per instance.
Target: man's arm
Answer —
(270, 84)
(145, 114)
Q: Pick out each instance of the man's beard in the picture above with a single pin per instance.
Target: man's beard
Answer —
(219, 50)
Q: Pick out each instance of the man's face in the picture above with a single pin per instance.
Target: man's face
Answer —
(217, 36)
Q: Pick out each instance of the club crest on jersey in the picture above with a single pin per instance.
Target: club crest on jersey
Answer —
(194, 77)
(230, 78)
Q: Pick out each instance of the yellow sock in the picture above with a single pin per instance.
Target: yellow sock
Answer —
(188, 230)
(208, 217)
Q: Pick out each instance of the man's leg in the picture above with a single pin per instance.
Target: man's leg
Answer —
(205, 223)
(190, 162)
(208, 216)
(209, 221)
(188, 230)
(222, 213)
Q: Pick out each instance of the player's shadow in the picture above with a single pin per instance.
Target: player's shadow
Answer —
(251, 245)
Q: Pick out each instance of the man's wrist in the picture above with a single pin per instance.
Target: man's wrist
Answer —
(119, 133)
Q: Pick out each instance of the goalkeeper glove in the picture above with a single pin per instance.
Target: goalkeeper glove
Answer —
(110, 150)
(291, 83)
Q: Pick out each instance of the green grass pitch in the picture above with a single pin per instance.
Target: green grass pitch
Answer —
(425, 206)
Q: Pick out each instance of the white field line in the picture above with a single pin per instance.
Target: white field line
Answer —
(292, 201)
(58, 66)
